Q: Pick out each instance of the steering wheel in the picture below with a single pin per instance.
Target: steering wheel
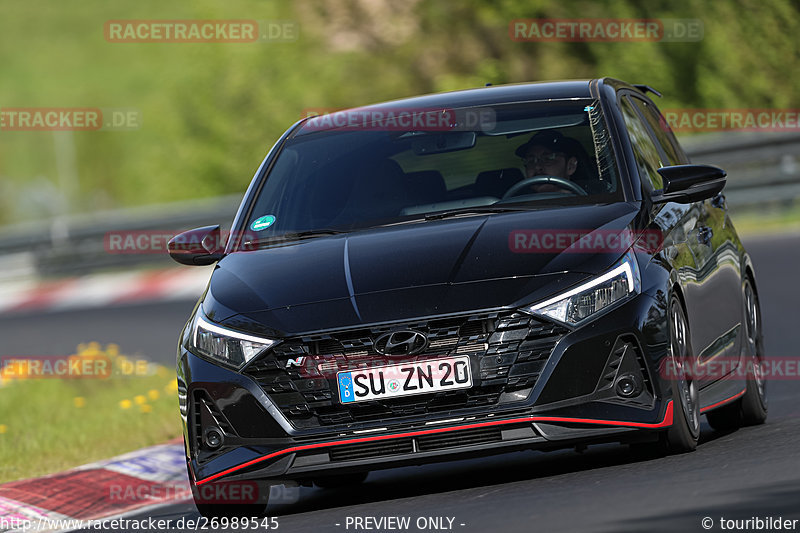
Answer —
(555, 180)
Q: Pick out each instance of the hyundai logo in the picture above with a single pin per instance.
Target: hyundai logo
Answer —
(402, 342)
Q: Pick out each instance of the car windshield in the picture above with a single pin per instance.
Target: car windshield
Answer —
(362, 168)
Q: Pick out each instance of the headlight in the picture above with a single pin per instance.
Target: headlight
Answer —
(225, 345)
(592, 297)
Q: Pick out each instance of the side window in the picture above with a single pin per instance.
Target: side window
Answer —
(662, 131)
(648, 159)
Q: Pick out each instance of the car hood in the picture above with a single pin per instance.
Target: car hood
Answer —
(409, 271)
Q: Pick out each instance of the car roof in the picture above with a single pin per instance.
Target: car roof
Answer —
(494, 94)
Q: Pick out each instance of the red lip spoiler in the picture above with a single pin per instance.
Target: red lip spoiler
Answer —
(665, 422)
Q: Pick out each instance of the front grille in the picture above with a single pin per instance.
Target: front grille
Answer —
(507, 352)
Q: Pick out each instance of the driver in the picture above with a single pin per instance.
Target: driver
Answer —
(549, 153)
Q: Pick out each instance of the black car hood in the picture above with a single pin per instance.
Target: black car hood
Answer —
(406, 271)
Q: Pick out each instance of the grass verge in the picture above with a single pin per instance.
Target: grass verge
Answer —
(769, 221)
(49, 422)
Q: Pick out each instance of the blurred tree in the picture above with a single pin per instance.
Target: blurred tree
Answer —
(211, 111)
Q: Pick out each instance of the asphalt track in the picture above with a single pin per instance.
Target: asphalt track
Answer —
(752, 472)
(149, 330)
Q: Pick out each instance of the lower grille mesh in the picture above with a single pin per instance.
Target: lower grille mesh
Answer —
(459, 438)
(351, 452)
(422, 443)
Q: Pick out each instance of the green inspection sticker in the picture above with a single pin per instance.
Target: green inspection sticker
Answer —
(262, 222)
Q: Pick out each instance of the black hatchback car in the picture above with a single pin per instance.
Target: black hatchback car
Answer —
(530, 266)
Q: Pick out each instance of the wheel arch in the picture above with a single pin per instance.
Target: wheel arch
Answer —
(676, 289)
(749, 273)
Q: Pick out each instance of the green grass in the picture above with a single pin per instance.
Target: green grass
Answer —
(50, 424)
(765, 222)
(210, 111)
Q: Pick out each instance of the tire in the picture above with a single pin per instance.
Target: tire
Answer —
(345, 480)
(219, 510)
(750, 409)
(684, 433)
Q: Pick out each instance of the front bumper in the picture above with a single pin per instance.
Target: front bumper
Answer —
(572, 401)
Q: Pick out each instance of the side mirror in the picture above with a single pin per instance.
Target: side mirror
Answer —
(689, 183)
(199, 246)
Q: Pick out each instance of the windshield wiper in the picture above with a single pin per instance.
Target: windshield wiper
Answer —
(472, 211)
(294, 236)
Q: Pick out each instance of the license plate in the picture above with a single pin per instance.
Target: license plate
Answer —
(404, 379)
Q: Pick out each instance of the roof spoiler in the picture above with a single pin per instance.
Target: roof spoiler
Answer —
(646, 89)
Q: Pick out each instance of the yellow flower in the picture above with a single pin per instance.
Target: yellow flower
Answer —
(153, 394)
(145, 408)
(125, 404)
(79, 401)
(140, 399)
(3, 428)
(93, 348)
